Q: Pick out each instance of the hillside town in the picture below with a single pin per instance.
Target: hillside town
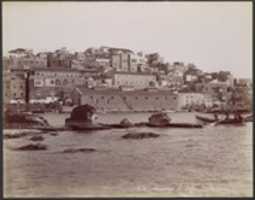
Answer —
(117, 79)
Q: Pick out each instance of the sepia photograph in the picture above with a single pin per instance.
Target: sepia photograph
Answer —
(127, 99)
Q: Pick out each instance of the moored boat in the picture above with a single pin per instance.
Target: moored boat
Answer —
(205, 119)
(249, 118)
(176, 125)
(230, 122)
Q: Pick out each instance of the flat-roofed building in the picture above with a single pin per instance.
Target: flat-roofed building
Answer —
(189, 99)
(136, 80)
(118, 100)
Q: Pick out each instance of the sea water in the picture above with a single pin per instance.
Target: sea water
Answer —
(213, 161)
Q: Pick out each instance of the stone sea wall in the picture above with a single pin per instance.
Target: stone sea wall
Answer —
(130, 101)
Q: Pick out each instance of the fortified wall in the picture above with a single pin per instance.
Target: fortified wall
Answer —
(116, 100)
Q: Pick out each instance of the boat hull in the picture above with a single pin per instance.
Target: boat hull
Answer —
(205, 119)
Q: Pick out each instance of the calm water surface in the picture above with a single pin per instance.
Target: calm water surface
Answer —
(213, 161)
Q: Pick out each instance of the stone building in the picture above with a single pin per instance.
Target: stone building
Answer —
(51, 81)
(186, 100)
(60, 77)
(60, 58)
(136, 80)
(117, 100)
(20, 52)
(14, 86)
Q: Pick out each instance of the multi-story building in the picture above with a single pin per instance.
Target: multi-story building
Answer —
(60, 58)
(122, 59)
(194, 99)
(121, 62)
(7, 95)
(20, 52)
(217, 88)
(103, 61)
(28, 61)
(59, 77)
(136, 80)
(14, 85)
(50, 81)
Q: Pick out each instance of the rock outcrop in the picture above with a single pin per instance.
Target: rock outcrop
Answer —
(37, 138)
(159, 119)
(82, 118)
(140, 135)
(24, 120)
(77, 150)
(31, 147)
(126, 123)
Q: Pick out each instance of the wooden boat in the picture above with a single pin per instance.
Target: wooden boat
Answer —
(176, 125)
(205, 119)
(249, 118)
(230, 122)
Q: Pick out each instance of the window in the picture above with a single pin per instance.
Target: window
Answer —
(102, 97)
(58, 82)
(91, 97)
(65, 82)
(146, 98)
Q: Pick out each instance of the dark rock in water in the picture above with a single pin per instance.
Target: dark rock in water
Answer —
(16, 135)
(126, 122)
(159, 119)
(32, 147)
(37, 138)
(82, 150)
(141, 124)
(24, 120)
(54, 133)
(82, 117)
(83, 113)
(140, 135)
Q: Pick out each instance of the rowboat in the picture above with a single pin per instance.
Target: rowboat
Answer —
(205, 119)
(230, 122)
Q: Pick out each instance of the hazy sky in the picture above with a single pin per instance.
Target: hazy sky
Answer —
(214, 36)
